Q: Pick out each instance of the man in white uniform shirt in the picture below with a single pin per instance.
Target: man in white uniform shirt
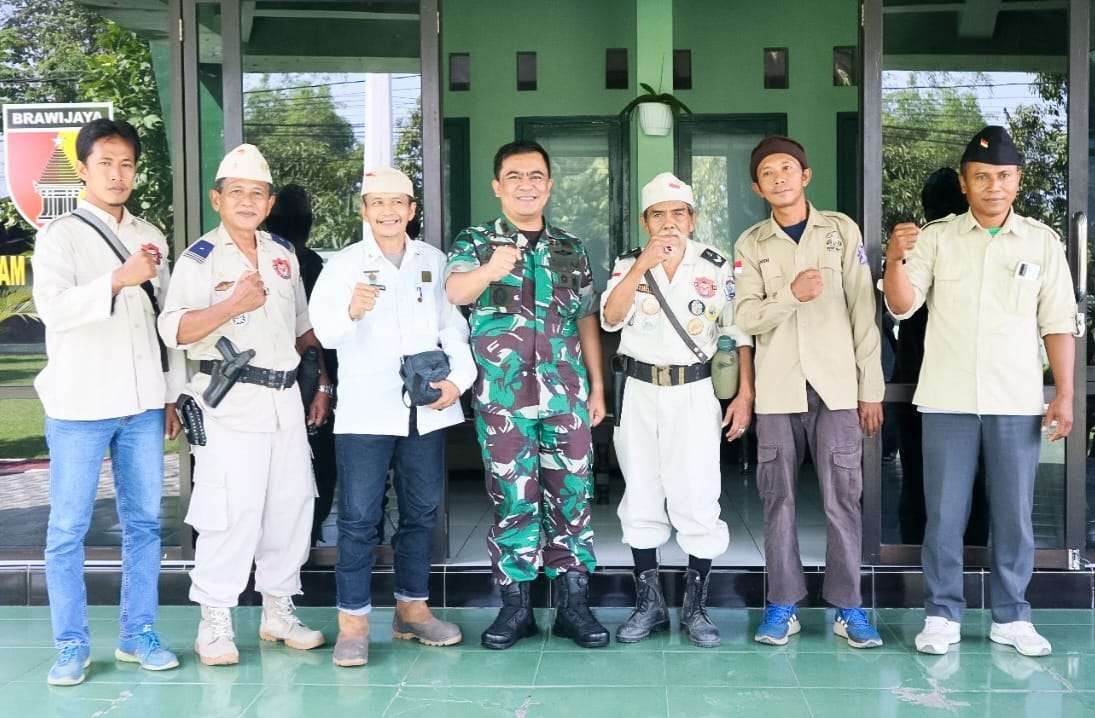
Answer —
(667, 441)
(107, 383)
(377, 302)
(253, 485)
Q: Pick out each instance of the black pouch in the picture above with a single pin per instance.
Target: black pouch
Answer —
(190, 414)
(417, 371)
(308, 376)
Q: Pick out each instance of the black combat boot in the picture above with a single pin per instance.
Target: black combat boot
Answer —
(573, 619)
(695, 623)
(515, 621)
(650, 614)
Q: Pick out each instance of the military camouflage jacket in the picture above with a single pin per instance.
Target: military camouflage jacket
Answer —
(524, 327)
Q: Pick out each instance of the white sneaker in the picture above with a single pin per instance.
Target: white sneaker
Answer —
(1022, 636)
(280, 623)
(938, 635)
(216, 644)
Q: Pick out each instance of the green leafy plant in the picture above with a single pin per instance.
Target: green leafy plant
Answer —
(652, 95)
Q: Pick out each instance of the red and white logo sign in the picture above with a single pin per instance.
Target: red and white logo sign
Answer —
(281, 266)
(40, 155)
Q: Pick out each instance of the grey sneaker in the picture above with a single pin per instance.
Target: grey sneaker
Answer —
(433, 632)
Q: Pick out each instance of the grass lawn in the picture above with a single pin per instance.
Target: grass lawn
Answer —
(22, 421)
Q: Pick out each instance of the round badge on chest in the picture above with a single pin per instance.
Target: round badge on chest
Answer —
(240, 320)
(695, 326)
(651, 306)
(695, 307)
(712, 313)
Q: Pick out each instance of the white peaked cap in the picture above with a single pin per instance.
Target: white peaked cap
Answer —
(245, 162)
(386, 180)
(667, 188)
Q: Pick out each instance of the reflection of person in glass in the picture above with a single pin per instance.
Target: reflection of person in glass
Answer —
(238, 289)
(108, 383)
(668, 438)
(804, 292)
(380, 303)
(941, 196)
(291, 219)
(995, 282)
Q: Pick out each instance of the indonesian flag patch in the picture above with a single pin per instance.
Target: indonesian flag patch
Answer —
(281, 266)
(738, 269)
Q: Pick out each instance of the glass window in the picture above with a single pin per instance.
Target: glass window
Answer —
(616, 77)
(459, 71)
(713, 153)
(526, 71)
(682, 69)
(844, 69)
(775, 68)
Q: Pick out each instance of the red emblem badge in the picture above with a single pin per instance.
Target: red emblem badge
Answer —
(705, 287)
(281, 266)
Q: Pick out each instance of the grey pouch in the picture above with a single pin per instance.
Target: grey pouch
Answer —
(417, 371)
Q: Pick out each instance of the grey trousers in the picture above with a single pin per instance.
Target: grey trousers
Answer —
(836, 445)
(1011, 448)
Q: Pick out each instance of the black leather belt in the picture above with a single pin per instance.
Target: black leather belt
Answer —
(270, 378)
(666, 375)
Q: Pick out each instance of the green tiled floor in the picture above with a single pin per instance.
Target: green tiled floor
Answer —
(815, 675)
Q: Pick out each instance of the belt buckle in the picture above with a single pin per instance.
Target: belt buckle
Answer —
(661, 376)
(270, 378)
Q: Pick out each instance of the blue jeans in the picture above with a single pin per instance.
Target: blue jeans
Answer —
(363, 461)
(76, 450)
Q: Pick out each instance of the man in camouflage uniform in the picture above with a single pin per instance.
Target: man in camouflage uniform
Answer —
(536, 341)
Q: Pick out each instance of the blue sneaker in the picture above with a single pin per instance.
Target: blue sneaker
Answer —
(71, 665)
(145, 648)
(780, 622)
(853, 624)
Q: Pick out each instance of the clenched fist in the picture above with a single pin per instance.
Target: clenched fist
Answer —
(656, 251)
(138, 268)
(502, 261)
(248, 294)
(807, 285)
(902, 241)
(363, 300)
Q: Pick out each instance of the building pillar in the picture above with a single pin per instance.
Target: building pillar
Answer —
(654, 66)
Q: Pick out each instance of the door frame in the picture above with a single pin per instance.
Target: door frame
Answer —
(871, 40)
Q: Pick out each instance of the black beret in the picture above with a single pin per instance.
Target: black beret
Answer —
(993, 146)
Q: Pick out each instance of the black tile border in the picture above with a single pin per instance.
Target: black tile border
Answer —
(473, 586)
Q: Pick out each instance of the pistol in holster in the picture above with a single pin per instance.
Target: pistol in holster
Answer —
(619, 381)
(226, 373)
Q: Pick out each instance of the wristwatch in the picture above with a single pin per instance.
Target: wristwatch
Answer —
(328, 389)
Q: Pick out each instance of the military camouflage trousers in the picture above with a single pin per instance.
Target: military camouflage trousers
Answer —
(538, 476)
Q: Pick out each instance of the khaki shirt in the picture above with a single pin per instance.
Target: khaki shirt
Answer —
(832, 342)
(701, 296)
(103, 359)
(205, 274)
(982, 349)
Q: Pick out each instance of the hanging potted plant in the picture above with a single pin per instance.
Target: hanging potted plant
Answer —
(656, 111)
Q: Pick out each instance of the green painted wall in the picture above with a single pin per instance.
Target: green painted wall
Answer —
(570, 38)
(727, 40)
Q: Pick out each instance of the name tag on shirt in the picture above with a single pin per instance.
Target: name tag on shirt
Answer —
(1027, 270)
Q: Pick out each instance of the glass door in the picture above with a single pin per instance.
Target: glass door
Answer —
(934, 75)
(323, 90)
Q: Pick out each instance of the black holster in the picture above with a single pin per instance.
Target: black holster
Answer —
(226, 373)
(190, 414)
(619, 381)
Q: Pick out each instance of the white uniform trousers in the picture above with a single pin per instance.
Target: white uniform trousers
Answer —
(252, 500)
(667, 445)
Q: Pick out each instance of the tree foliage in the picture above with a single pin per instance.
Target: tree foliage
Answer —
(307, 142)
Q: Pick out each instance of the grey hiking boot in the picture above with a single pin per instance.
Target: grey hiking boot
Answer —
(695, 623)
(280, 623)
(650, 614)
(352, 645)
(413, 621)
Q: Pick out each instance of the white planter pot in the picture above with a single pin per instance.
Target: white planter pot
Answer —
(655, 119)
